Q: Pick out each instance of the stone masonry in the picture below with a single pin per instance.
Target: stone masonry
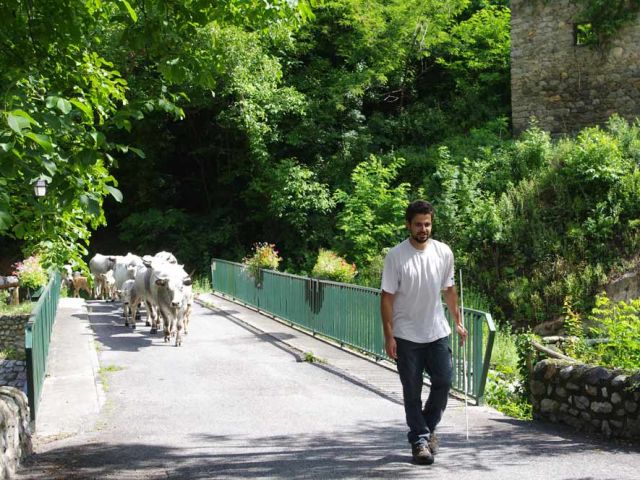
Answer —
(563, 85)
(15, 432)
(12, 333)
(589, 398)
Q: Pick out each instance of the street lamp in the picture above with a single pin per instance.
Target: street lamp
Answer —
(40, 187)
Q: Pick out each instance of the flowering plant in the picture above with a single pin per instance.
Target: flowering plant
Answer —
(331, 266)
(30, 273)
(264, 255)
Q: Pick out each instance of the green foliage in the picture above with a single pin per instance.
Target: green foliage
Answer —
(264, 255)
(476, 54)
(10, 354)
(251, 79)
(507, 388)
(76, 77)
(574, 344)
(311, 358)
(22, 308)
(48, 136)
(372, 217)
(619, 322)
(202, 285)
(370, 274)
(330, 266)
(526, 359)
(506, 393)
(536, 221)
(30, 273)
(504, 355)
(297, 196)
(606, 17)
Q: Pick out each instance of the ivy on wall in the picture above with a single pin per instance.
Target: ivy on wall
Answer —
(606, 17)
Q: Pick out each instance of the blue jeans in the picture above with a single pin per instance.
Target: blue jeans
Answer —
(435, 359)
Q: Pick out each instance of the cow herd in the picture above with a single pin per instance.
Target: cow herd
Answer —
(157, 281)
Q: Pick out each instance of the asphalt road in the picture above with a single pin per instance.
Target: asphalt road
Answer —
(236, 403)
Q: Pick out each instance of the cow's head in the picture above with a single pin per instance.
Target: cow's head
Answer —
(174, 287)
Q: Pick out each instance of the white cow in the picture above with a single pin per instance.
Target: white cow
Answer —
(166, 256)
(188, 307)
(143, 292)
(99, 265)
(66, 274)
(106, 283)
(171, 291)
(110, 285)
(124, 269)
(131, 301)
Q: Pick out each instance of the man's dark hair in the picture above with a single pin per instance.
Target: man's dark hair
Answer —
(419, 207)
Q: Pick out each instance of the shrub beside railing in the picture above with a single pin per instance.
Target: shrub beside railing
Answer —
(348, 314)
(37, 336)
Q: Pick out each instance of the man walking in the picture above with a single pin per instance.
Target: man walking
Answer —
(416, 331)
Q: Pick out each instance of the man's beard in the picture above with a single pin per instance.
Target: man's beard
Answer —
(421, 238)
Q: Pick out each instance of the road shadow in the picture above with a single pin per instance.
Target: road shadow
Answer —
(107, 323)
(366, 452)
(274, 338)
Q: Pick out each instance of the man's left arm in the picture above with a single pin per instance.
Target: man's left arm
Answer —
(451, 298)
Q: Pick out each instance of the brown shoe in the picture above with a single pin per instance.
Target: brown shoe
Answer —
(434, 444)
(421, 454)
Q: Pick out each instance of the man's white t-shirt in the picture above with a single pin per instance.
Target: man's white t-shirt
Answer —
(416, 279)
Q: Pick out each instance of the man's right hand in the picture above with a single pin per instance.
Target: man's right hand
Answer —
(391, 347)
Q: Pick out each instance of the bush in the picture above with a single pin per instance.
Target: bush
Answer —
(506, 390)
(330, 266)
(620, 323)
(30, 273)
(507, 394)
(370, 274)
(264, 255)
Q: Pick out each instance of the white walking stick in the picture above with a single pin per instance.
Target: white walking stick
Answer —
(464, 358)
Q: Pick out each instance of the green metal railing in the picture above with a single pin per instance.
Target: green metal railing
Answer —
(37, 336)
(348, 314)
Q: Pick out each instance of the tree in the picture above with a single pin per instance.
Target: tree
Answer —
(66, 73)
(372, 217)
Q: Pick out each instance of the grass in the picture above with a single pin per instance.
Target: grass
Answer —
(504, 353)
(504, 390)
(103, 373)
(10, 354)
(20, 309)
(311, 358)
(202, 285)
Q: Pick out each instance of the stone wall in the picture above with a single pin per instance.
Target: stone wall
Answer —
(567, 86)
(592, 399)
(625, 288)
(12, 333)
(15, 434)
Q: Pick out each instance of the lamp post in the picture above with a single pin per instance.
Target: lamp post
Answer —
(40, 188)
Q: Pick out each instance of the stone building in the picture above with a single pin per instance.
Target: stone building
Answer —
(562, 82)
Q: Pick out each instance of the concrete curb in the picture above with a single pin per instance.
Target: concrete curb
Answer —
(72, 394)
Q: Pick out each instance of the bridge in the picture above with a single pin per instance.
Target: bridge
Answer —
(248, 396)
